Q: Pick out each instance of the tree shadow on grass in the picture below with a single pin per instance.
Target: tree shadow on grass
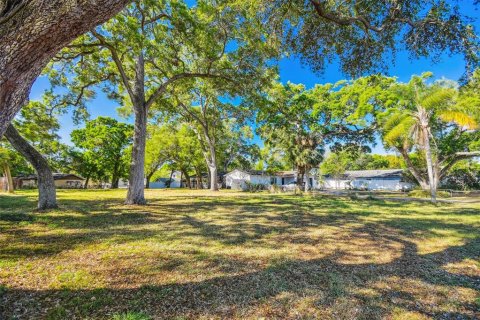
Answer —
(243, 221)
(337, 289)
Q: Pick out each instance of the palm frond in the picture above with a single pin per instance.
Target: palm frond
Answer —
(401, 131)
(438, 99)
(462, 119)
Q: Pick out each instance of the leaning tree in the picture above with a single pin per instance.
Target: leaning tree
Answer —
(31, 33)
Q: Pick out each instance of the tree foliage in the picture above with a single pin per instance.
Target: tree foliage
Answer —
(104, 143)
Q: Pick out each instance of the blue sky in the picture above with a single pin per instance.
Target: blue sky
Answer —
(291, 70)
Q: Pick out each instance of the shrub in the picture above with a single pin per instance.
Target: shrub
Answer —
(253, 187)
(426, 194)
(275, 189)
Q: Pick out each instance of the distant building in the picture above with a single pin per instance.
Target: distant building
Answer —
(174, 182)
(361, 179)
(390, 179)
(238, 179)
(62, 180)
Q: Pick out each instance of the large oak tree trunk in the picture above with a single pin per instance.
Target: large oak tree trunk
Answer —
(136, 186)
(31, 33)
(46, 185)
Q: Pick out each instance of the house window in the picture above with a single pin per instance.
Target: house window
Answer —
(273, 181)
(311, 181)
(283, 181)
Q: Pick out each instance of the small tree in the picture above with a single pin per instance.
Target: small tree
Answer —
(105, 142)
(335, 166)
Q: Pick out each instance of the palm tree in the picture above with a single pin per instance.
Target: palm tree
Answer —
(409, 122)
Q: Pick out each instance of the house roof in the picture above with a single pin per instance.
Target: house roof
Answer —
(359, 174)
(56, 176)
(353, 174)
(250, 172)
(285, 174)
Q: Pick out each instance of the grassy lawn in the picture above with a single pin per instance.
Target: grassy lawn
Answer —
(202, 255)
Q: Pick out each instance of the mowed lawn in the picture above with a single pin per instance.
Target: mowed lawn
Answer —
(227, 255)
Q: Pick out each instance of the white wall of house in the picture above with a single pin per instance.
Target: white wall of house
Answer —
(366, 183)
(330, 183)
(381, 184)
(265, 180)
(237, 179)
(176, 181)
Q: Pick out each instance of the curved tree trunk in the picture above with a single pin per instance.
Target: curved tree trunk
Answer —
(148, 178)
(46, 185)
(31, 33)
(416, 174)
(8, 175)
(87, 180)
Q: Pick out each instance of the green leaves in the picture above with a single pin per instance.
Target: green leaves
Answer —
(104, 142)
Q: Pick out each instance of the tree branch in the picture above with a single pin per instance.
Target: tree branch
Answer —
(161, 90)
(118, 63)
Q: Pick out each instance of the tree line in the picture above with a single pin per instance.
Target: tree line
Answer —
(431, 126)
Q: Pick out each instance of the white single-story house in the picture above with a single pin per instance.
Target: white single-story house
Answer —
(237, 179)
(390, 179)
(361, 179)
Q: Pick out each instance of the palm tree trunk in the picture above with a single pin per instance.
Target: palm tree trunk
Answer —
(428, 156)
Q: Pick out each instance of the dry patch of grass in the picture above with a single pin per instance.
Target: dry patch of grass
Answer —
(228, 255)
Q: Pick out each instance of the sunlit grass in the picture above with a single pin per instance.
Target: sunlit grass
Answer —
(200, 254)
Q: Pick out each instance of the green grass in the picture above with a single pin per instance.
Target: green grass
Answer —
(228, 255)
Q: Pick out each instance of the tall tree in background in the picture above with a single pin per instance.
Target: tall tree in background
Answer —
(213, 120)
(425, 116)
(31, 33)
(84, 163)
(157, 150)
(152, 45)
(301, 122)
(237, 150)
(106, 140)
